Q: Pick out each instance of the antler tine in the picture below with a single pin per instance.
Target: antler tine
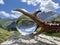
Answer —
(22, 11)
(36, 12)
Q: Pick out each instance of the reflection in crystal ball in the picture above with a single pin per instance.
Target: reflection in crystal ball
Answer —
(26, 27)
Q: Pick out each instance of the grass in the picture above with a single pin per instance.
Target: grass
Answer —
(4, 34)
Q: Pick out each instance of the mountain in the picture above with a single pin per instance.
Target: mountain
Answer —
(5, 21)
(12, 26)
(48, 16)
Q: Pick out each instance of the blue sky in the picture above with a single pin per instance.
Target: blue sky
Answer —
(13, 4)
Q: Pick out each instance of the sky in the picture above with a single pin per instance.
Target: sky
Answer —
(7, 7)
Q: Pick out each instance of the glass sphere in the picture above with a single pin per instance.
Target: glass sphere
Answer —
(26, 27)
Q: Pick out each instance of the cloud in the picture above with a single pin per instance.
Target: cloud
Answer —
(49, 6)
(25, 10)
(8, 15)
(4, 13)
(45, 5)
(13, 14)
(24, 0)
(33, 2)
(16, 14)
(1, 2)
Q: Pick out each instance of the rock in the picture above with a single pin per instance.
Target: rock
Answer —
(37, 40)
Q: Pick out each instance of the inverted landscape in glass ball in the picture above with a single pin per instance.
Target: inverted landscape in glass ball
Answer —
(26, 27)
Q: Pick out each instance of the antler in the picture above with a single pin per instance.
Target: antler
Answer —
(31, 16)
(22, 11)
(45, 27)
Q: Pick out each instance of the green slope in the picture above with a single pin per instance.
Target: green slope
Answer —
(57, 19)
(4, 34)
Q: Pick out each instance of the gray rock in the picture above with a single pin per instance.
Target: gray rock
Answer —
(37, 40)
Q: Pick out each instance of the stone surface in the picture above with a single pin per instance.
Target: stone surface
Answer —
(37, 40)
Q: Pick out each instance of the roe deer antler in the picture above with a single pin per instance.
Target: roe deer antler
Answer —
(45, 26)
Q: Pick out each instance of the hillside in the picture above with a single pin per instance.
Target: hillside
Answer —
(5, 34)
(57, 19)
(5, 21)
